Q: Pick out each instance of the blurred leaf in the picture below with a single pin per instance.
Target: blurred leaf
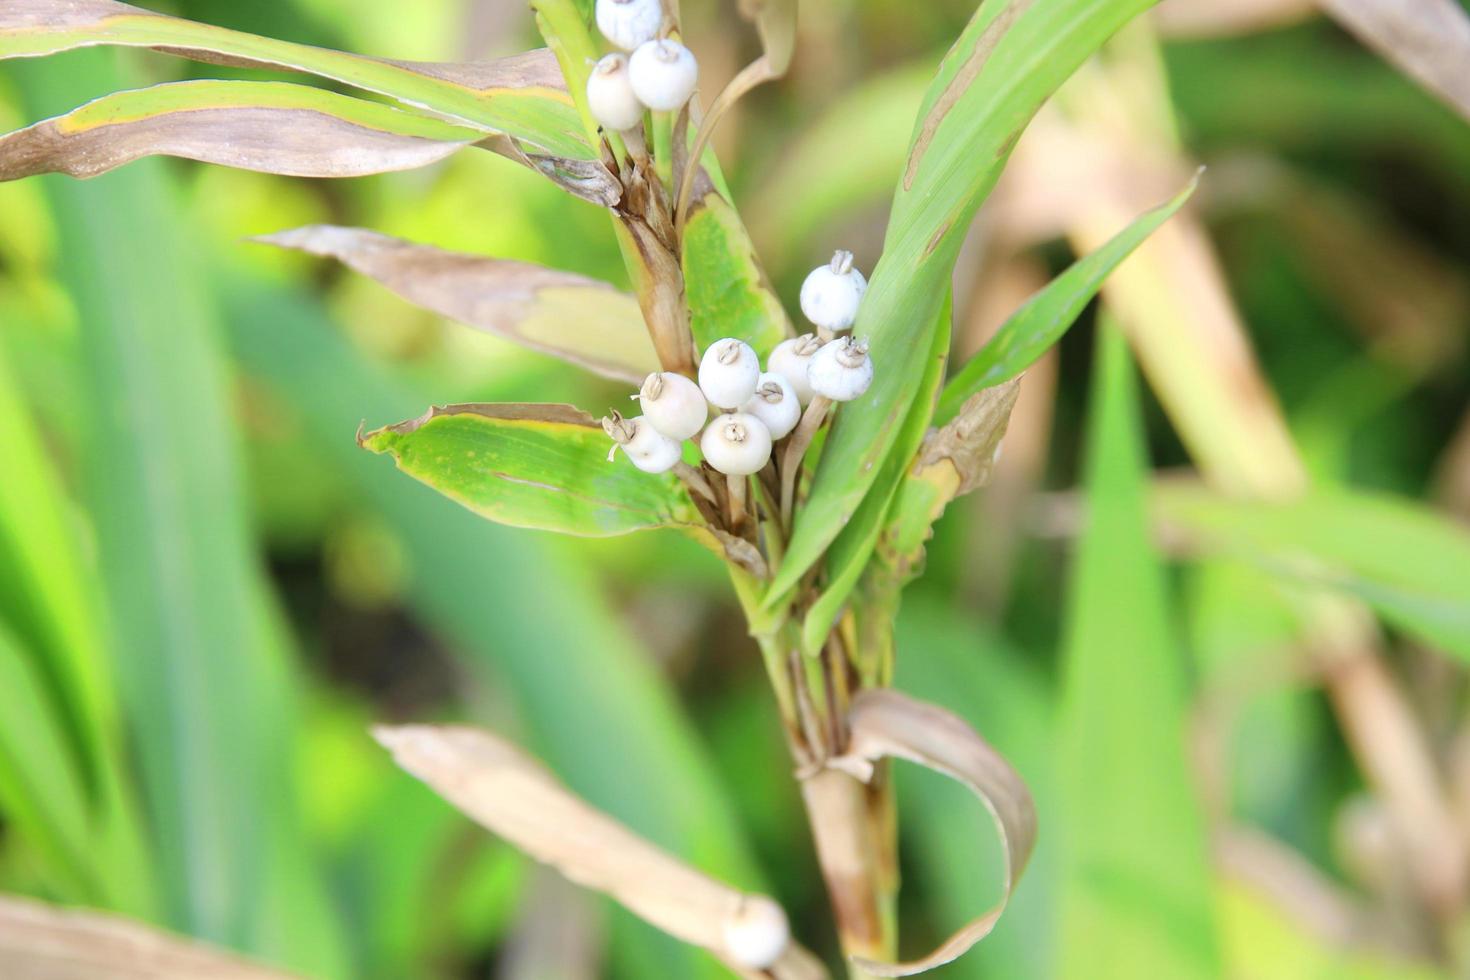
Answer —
(43, 793)
(537, 466)
(1428, 40)
(273, 127)
(43, 942)
(199, 657)
(521, 96)
(1009, 59)
(1403, 559)
(1035, 327)
(887, 724)
(1136, 897)
(562, 314)
(724, 285)
(508, 792)
(596, 707)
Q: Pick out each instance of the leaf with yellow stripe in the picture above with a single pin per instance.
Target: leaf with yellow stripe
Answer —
(535, 466)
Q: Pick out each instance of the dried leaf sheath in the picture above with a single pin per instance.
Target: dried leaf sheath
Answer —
(511, 794)
(42, 942)
(273, 127)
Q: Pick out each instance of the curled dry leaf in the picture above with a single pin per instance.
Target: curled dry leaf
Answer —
(273, 127)
(508, 792)
(968, 446)
(572, 317)
(1428, 40)
(888, 724)
(43, 942)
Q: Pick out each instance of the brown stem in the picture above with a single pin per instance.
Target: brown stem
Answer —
(839, 810)
(695, 481)
(796, 447)
(735, 501)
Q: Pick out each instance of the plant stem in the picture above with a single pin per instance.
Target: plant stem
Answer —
(796, 446)
(735, 501)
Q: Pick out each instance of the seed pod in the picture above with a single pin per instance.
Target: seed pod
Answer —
(831, 293)
(841, 370)
(728, 373)
(610, 94)
(650, 450)
(790, 360)
(736, 443)
(775, 404)
(663, 74)
(673, 404)
(757, 935)
(629, 23)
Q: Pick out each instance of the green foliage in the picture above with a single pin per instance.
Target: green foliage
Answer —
(726, 289)
(1134, 853)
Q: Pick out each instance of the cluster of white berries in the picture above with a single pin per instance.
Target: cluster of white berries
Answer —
(754, 408)
(660, 73)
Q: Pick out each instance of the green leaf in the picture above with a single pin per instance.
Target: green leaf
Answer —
(273, 127)
(1009, 59)
(577, 319)
(536, 466)
(1403, 559)
(849, 554)
(209, 698)
(520, 96)
(1045, 317)
(724, 285)
(1136, 887)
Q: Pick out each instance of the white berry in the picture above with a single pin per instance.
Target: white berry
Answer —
(663, 74)
(775, 404)
(629, 23)
(650, 450)
(610, 94)
(831, 293)
(728, 373)
(736, 443)
(756, 935)
(841, 370)
(673, 405)
(790, 360)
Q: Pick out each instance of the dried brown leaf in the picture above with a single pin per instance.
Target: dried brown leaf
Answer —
(1428, 40)
(572, 317)
(888, 724)
(44, 942)
(1211, 18)
(513, 795)
(271, 127)
(970, 443)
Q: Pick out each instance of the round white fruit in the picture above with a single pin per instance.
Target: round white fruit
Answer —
(728, 373)
(650, 450)
(663, 74)
(629, 23)
(841, 370)
(790, 360)
(775, 403)
(673, 404)
(610, 94)
(757, 935)
(831, 294)
(736, 443)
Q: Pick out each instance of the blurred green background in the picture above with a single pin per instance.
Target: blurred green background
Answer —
(208, 592)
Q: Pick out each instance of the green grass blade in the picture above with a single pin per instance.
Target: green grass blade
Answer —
(535, 466)
(519, 96)
(724, 284)
(1009, 60)
(273, 127)
(208, 696)
(1403, 559)
(1136, 887)
(1036, 326)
